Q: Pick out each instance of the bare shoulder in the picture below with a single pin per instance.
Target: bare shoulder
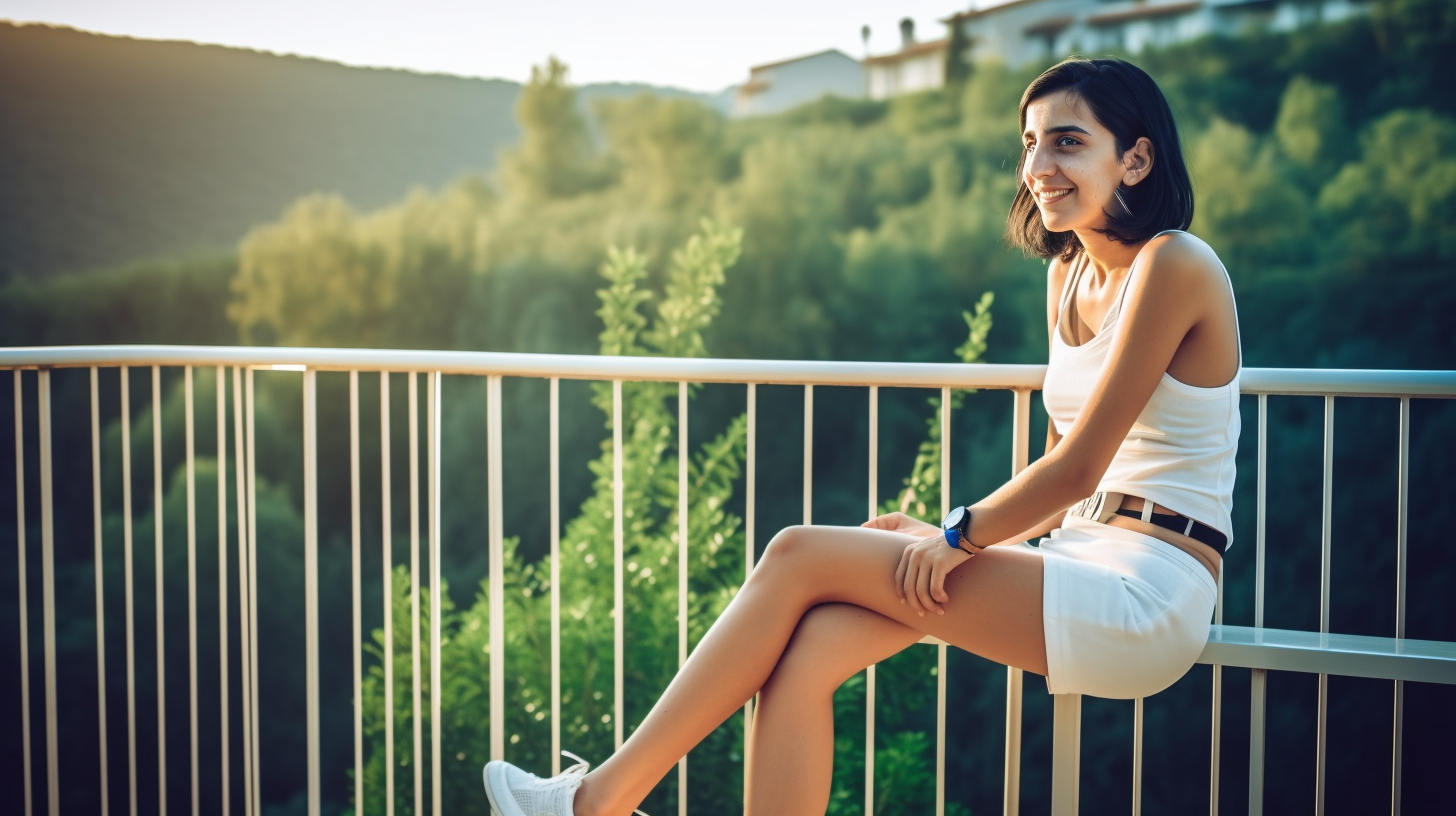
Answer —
(1180, 263)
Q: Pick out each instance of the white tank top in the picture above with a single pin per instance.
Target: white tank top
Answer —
(1179, 452)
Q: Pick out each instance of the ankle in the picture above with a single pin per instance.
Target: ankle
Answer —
(586, 801)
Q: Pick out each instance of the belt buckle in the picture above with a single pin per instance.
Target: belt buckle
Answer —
(1098, 507)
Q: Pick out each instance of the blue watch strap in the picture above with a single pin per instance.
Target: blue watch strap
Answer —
(953, 538)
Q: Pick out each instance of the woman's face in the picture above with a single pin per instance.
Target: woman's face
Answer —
(1073, 165)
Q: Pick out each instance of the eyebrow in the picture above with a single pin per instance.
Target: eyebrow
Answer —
(1061, 129)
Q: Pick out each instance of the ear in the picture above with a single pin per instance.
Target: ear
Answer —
(1137, 161)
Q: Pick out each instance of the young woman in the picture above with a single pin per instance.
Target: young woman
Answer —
(1134, 492)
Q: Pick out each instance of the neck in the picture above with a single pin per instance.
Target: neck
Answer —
(1104, 255)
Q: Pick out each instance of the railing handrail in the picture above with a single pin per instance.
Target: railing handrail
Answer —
(1283, 381)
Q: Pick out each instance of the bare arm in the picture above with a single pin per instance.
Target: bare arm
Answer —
(1160, 310)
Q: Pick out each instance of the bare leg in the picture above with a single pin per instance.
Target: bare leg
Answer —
(994, 611)
(793, 729)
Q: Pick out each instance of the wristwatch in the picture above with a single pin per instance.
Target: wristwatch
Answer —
(957, 525)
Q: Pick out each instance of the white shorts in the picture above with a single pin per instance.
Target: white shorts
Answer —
(1125, 613)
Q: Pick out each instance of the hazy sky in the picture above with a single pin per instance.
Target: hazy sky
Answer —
(695, 45)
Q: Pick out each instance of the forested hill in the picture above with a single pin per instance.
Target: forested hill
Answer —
(120, 149)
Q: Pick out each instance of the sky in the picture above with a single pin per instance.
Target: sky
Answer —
(683, 43)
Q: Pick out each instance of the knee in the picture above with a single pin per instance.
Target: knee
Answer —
(788, 545)
(814, 658)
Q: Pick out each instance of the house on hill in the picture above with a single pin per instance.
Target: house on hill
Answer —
(778, 86)
(917, 66)
(1021, 31)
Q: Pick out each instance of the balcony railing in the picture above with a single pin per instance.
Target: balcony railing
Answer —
(1257, 648)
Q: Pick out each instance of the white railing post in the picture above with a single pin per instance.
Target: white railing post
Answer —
(1401, 531)
(157, 525)
(618, 545)
(683, 452)
(356, 594)
(310, 584)
(105, 786)
(48, 594)
(24, 616)
(874, 496)
(941, 661)
(1258, 680)
(1066, 753)
(495, 532)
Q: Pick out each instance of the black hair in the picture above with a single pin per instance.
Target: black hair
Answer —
(1126, 101)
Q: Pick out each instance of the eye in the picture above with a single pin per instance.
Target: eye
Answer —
(1066, 141)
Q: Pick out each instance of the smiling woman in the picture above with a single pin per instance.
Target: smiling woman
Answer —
(1097, 116)
(1133, 495)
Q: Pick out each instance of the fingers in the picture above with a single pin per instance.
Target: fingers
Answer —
(887, 521)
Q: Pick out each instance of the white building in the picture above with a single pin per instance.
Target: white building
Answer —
(781, 85)
(1022, 31)
(917, 66)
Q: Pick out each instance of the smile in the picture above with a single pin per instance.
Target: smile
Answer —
(1051, 195)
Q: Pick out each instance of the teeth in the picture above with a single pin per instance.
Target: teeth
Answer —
(1052, 195)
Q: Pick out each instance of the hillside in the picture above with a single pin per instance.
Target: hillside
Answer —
(119, 149)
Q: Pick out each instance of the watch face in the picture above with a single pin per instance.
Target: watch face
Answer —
(953, 519)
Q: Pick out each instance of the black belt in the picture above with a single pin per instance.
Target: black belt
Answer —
(1093, 508)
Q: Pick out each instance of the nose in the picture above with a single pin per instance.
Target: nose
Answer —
(1040, 164)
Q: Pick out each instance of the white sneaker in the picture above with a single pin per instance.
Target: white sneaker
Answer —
(513, 792)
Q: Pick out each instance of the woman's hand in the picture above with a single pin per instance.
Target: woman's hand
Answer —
(901, 523)
(920, 576)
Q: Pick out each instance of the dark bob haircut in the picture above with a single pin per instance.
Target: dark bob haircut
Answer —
(1126, 101)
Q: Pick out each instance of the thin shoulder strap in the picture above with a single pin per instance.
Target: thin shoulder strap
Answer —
(1069, 285)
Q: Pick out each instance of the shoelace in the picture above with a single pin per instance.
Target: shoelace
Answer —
(580, 769)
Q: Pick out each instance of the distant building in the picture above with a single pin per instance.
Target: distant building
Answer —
(917, 66)
(778, 86)
(1021, 31)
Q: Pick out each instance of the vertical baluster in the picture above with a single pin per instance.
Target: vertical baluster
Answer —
(436, 587)
(310, 583)
(874, 510)
(940, 649)
(618, 489)
(1066, 753)
(496, 536)
(224, 772)
(555, 575)
(1259, 678)
(253, 634)
(750, 487)
(1401, 530)
(1217, 725)
(157, 525)
(105, 787)
(416, 758)
(192, 588)
(1020, 456)
(130, 585)
(386, 548)
(1321, 724)
(244, 620)
(354, 570)
(1137, 757)
(48, 594)
(24, 617)
(682, 568)
(808, 454)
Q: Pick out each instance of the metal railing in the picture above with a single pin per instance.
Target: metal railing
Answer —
(1393, 659)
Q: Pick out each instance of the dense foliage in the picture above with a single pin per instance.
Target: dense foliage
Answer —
(1323, 165)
